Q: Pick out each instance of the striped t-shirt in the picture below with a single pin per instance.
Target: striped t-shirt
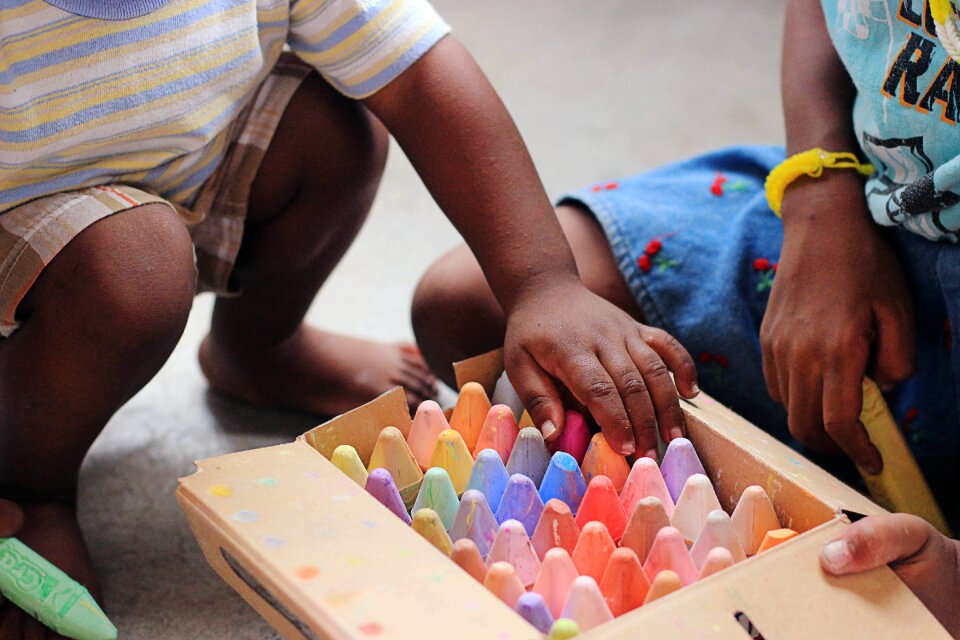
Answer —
(143, 92)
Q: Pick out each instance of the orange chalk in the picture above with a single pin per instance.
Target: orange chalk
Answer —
(470, 412)
(553, 582)
(665, 583)
(601, 503)
(427, 425)
(499, 432)
(624, 584)
(753, 517)
(669, 551)
(717, 532)
(696, 502)
(468, 558)
(392, 453)
(502, 581)
(427, 523)
(525, 420)
(512, 545)
(718, 559)
(556, 528)
(602, 460)
(593, 550)
(645, 480)
(452, 454)
(647, 519)
(775, 538)
(585, 604)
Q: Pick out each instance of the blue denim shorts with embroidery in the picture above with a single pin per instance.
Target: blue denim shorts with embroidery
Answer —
(698, 247)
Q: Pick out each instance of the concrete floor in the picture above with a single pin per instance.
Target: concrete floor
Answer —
(599, 89)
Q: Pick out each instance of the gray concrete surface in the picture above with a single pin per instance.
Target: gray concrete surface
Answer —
(599, 89)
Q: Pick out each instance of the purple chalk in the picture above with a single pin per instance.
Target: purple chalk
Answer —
(575, 437)
(475, 520)
(533, 608)
(679, 463)
(381, 486)
(529, 456)
(521, 502)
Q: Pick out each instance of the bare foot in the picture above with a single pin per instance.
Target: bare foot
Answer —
(51, 530)
(317, 371)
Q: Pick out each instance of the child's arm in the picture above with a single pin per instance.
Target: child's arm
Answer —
(839, 295)
(927, 561)
(461, 140)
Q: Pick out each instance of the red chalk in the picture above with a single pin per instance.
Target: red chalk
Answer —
(602, 504)
(556, 528)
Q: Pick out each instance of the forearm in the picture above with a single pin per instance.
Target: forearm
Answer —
(463, 143)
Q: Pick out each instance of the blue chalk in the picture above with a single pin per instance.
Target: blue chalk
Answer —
(563, 480)
(533, 608)
(521, 502)
(529, 456)
(475, 520)
(489, 477)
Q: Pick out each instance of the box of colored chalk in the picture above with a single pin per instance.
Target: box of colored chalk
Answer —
(468, 525)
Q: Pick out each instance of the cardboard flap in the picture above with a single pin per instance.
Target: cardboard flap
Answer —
(361, 426)
(332, 560)
(785, 597)
(484, 369)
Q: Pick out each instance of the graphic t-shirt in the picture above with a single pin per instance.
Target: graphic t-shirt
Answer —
(905, 113)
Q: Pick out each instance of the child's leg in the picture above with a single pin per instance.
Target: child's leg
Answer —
(308, 202)
(455, 315)
(96, 326)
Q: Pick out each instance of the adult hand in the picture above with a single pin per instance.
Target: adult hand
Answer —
(618, 368)
(839, 298)
(927, 561)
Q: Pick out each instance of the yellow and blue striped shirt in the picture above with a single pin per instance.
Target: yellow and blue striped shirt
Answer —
(148, 99)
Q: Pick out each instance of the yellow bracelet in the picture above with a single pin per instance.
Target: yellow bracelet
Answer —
(811, 163)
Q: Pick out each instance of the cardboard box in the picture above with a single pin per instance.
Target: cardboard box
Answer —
(319, 558)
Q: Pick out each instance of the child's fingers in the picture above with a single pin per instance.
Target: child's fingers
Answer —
(771, 373)
(805, 413)
(11, 518)
(589, 381)
(539, 395)
(663, 393)
(635, 394)
(842, 402)
(676, 357)
(896, 346)
(876, 541)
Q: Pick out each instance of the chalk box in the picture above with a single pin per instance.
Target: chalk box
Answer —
(319, 558)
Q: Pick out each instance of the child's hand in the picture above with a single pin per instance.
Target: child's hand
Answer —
(839, 296)
(928, 562)
(618, 368)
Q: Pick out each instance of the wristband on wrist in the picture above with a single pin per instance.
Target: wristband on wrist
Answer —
(810, 163)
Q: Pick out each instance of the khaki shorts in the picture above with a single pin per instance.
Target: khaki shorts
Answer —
(32, 234)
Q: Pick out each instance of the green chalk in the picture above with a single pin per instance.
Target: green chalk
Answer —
(50, 595)
(563, 629)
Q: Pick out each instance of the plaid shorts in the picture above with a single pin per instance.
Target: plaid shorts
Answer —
(32, 234)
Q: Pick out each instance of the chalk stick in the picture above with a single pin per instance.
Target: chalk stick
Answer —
(696, 502)
(348, 461)
(452, 454)
(601, 503)
(647, 519)
(392, 453)
(489, 476)
(645, 480)
(504, 393)
(585, 604)
(718, 559)
(533, 609)
(520, 502)
(717, 532)
(575, 437)
(775, 538)
(470, 412)
(381, 486)
(593, 550)
(665, 583)
(499, 432)
(529, 456)
(557, 573)
(466, 555)
(428, 423)
(502, 581)
(753, 517)
(556, 528)
(475, 520)
(427, 523)
(525, 421)
(680, 461)
(512, 545)
(669, 551)
(602, 460)
(437, 493)
(563, 481)
(624, 584)
(563, 629)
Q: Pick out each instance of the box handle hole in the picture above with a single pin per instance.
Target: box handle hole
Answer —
(748, 626)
